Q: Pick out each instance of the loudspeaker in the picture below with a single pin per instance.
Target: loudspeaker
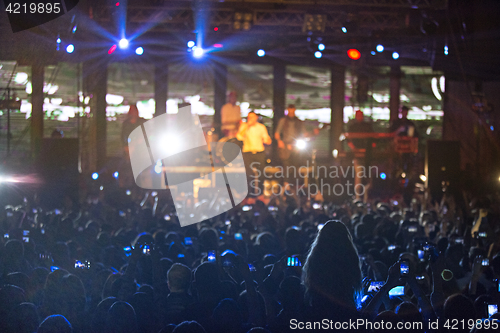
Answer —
(442, 167)
(57, 167)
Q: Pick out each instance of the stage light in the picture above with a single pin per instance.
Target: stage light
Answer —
(158, 167)
(403, 175)
(344, 30)
(216, 28)
(446, 50)
(335, 153)
(70, 48)
(58, 40)
(139, 50)
(117, 4)
(380, 48)
(492, 128)
(318, 54)
(115, 174)
(123, 43)
(301, 144)
(395, 55)
(128, 192)
(190, 44)
(95, 175)
(423, 178)
(101, 188)
(321, 47)
(383, 175)
(218, 46)
(353, 54)
(372, 53)
(261, 53)
(112, 49)
(198, 52)
(74, 29)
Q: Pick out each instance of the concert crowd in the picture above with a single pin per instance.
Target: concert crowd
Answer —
(121, 263)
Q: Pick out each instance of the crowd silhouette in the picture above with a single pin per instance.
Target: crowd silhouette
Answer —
(112, 265)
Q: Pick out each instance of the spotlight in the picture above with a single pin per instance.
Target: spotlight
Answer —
(190, 44)
(403, 175)
(395, 55)
(115, 174)
(372, 53)
(301, 144)
(95, 175)
(383, 175)
(380, 48)
(123, 43)
(218, 45)
(446, 50)
(344, 30)
(139, 50)
(70, 48)
(158, 167)
(353, 54)
(335, 153)
(318, 54)
(261, 53)
(321, 47)
(423, 178)
(216, 28)
(58, 40)
(198, 52)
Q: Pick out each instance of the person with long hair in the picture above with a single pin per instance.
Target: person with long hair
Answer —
(332, 274)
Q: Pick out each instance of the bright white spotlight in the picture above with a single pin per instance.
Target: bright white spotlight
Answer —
(158, 167)
(123, 43)
(70, 48)
(261, 53)
(139, 51)
(301, 144)
(95, 175)
(423, 178)
(198, 52)
(395, 55)
(318, 54)
(115, 174)
(190, 43)
(344, 30)
(380, 48)
(321, 47)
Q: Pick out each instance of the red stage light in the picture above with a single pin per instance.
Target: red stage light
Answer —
(353, 54)
(216, 29)
(117, 4)
(218, 45)
(112, 49)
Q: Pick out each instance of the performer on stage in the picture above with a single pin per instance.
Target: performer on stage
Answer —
(230, 116)
(131, 122)
(254, 136)
(360, 126)
(289, 130)
(404, 126)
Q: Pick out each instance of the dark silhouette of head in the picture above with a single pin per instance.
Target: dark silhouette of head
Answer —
(332, 271)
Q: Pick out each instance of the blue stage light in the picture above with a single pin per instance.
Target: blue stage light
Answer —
(321, 47)
(139, 51)
(115, 174)
(190, 44)
(344, 30)
(372, 53)
(318, 54)
(395, 55)
(70, 48)
(95, 175)
(383, 175)
(261, 53)
(198, 52)
(123, 43)
(380, 48)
